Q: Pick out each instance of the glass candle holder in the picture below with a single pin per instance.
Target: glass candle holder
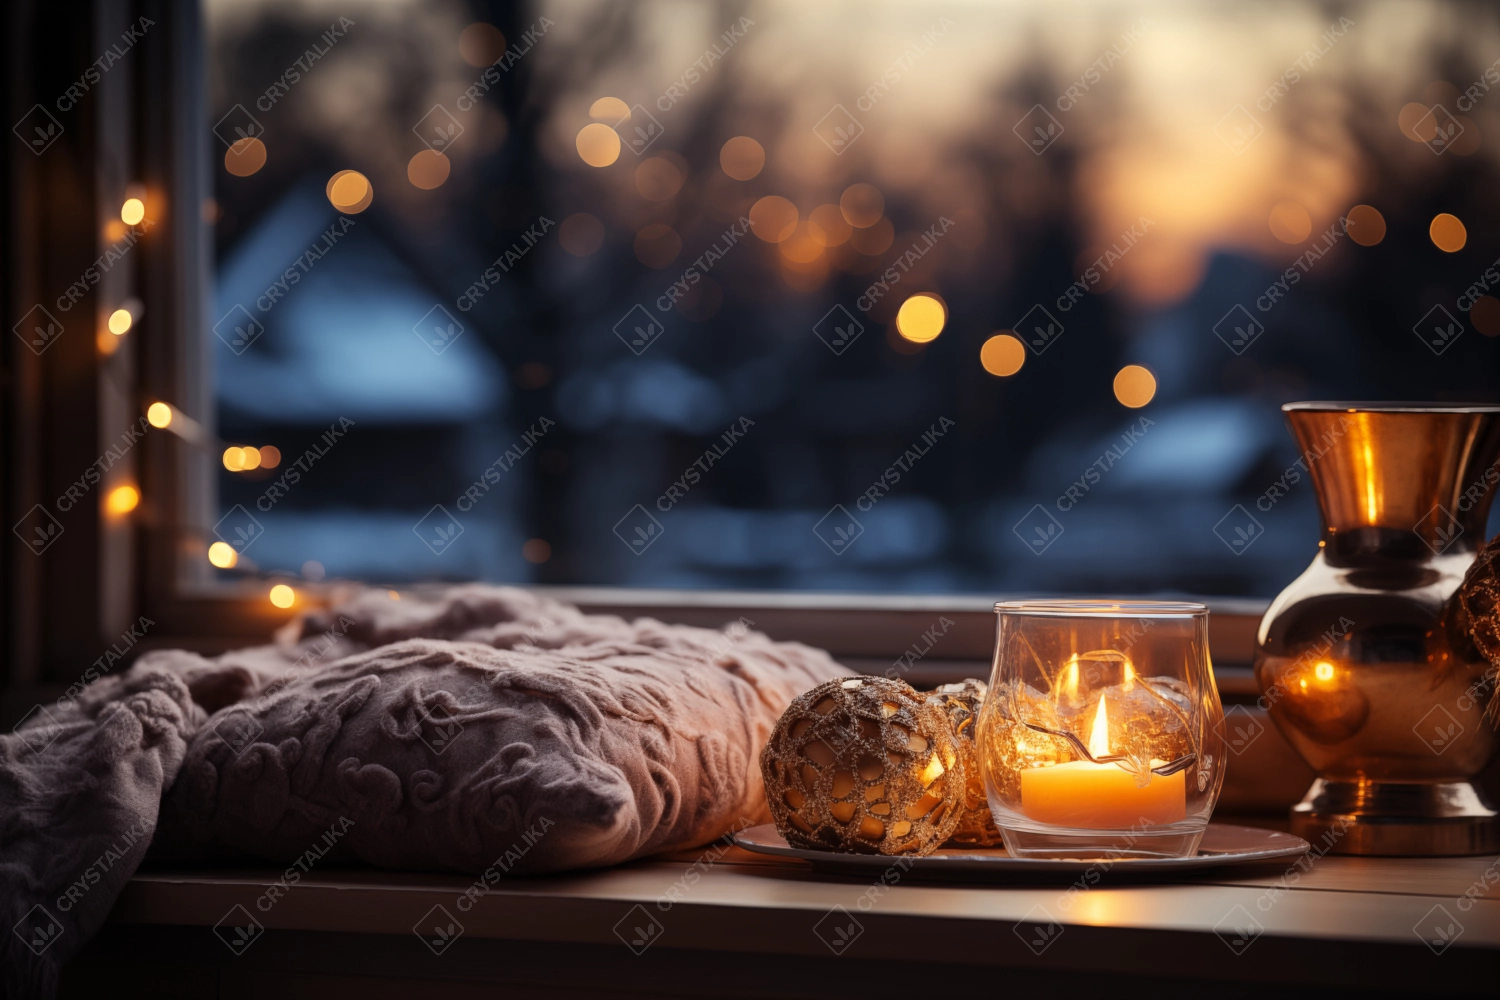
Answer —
(1102, 730)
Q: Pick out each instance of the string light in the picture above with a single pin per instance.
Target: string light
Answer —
(122, 500)
(921, 319)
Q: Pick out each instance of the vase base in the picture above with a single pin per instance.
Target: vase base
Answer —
(1397, 818)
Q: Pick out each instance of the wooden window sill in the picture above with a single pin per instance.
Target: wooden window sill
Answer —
(745, 927)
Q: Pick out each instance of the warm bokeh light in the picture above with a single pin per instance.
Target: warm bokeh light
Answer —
(119, 322)
(802, 247)
(609, 109)
(222, 555)
(428, 169)
(876, 239)
(245, 157)
(159, 415)
(1323, 671)
(1485, 312)
(480, 44)
(581, 234)
(238, 459)
(1290, 222)
(773, 218)
(133, 211)
(1468, 140)
(862, 205)
(1134, 386)
(742, 158)
(658, 178)
(122, 500)
(921, 319)
(283, 596)
(270, 456)
(1003, 354)
(828, 226)
(536, 550)
(1417, 122)
(598, 144)
(1448, 233)
(657, 245)
(1366, 225)
(350, 192)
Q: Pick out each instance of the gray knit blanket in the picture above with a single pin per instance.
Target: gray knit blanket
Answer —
(488, 730)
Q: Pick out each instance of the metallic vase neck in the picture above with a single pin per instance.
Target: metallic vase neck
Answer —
(1399, 480)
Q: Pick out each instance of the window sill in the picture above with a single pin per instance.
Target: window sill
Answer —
(1346, 925)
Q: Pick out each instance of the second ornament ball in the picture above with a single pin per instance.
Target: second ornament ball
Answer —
(869, 765)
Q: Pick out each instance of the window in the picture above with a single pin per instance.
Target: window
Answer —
(831, 297)
(894, 297)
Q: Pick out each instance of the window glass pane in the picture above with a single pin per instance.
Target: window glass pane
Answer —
(869, 296)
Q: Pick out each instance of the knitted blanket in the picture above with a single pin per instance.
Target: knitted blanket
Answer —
(487, 731)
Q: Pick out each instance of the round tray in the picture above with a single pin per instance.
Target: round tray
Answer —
(1222, 845)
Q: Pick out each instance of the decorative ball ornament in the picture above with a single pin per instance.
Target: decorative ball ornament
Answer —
(960, 703)
(1479, 612)
(864, 765)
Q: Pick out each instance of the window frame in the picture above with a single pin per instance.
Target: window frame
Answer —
(153, 115)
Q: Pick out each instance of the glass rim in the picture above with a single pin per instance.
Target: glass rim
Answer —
(1101, 608)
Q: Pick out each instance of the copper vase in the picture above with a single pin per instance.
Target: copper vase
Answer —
(1362, 661)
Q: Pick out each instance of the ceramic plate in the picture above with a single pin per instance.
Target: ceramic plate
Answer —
(1222, 845)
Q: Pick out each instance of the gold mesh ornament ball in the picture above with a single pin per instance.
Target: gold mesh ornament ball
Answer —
(1478, 608)
(960, 703)
(864, 765)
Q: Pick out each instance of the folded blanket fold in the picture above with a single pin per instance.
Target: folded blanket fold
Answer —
(486, 726)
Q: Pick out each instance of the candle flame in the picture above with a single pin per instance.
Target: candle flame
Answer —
(1129, 675)
(1070, 682)
(1099, 735)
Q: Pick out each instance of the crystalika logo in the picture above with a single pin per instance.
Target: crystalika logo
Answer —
(1038, 529)
(1238, 329)
(838, 529)
(638, 329)
(438, 329)
(1438, 329)
(638, 529)
(639, 129)
(39, 329)
(838, 329)
(1039, 328)
(438, 529)
(1038, 129)
(38, 129)
(838, 129)
(1239, 529)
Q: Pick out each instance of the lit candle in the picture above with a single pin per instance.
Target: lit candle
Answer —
(1101, 796)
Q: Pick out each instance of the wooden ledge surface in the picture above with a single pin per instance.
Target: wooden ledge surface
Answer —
(1342, 922)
